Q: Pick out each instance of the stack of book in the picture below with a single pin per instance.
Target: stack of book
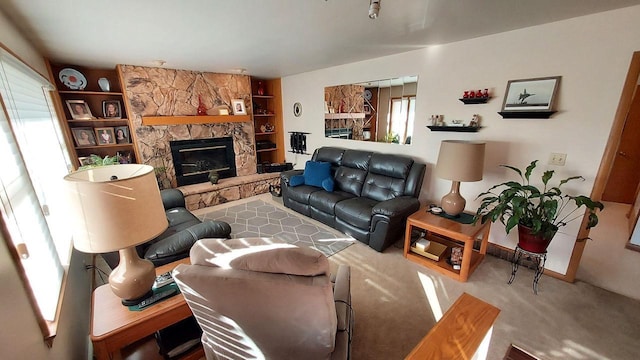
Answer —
(429, 249)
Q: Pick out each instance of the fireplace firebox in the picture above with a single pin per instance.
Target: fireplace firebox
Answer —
(194, 159)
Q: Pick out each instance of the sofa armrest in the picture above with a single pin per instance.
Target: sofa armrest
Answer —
(177, 246)
(342, 297)
(401, 206)
(172, 198)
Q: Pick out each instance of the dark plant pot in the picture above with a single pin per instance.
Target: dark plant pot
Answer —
(530, 242)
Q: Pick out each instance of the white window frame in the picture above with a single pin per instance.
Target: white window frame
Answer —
(29, 190)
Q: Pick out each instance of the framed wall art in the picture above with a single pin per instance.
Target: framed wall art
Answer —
(530, 97)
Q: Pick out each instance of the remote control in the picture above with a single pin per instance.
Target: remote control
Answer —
(163, 279)
(157, 297)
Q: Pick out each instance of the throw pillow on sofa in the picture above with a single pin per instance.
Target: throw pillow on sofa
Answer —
(316, 173)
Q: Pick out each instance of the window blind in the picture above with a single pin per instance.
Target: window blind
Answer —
(34, 163)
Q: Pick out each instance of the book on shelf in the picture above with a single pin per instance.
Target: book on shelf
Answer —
(433, 251)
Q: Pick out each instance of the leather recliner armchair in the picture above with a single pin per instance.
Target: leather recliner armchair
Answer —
(183, 231)
(260, 298)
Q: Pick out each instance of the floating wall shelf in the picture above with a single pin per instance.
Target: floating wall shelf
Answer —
(455, 128)
(526, 114)
(480, 100)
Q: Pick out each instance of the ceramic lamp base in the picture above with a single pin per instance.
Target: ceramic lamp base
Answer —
(453, 204)
(133, 278)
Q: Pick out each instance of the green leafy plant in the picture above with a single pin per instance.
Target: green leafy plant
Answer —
(544, 210)
(96, 161)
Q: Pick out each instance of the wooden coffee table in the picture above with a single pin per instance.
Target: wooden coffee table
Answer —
(450, 233)
(114, 326)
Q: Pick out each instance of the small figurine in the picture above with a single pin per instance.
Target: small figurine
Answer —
(475, 121)
(202, 110)
(485, 93)
(466, 95)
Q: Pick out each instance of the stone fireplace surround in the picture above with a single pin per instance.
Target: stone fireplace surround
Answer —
(169, 92)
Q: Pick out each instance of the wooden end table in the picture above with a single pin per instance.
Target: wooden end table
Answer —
(114, 326)
(450, 233)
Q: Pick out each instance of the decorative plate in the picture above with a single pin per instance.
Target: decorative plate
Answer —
(368, 94)
(297, 109)
(73, 79)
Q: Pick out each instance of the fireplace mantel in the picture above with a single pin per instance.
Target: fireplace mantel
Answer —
(194, 119)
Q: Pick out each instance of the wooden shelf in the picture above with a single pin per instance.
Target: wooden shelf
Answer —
(526, 114)
(455, 128)
(104, 146)
(264, 115)
(267, 150)
(266, 133)
(204, 119)
(262, 96)
(471, 101)
(82, 92)
(331, 116)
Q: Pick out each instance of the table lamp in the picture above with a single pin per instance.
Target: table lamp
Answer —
(459, 161)
(115, 208)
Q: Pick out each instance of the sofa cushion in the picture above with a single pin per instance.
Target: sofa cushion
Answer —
(315, 172)
(356, 211)
(326, 202)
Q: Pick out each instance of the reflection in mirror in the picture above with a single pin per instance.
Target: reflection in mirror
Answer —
(381, 111)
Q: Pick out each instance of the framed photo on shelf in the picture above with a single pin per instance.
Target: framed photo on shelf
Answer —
(367, 109)
(238, 107)
(105, 135)
(79, 110)
(531, 95)
(111, 109)
(84, 136)
(122, 135)
(85, 160)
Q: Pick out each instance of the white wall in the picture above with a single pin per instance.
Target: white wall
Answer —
(20, 336)
(591, 53)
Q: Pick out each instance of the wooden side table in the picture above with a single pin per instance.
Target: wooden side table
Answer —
(450, 233)
(114, 326)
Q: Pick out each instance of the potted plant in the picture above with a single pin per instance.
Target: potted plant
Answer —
(538, 213)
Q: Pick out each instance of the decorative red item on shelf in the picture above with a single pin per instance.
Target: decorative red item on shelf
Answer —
(466, 95)
(202, 110)
(260, 88)
(486, 93)
(479, 94)
(472, 94)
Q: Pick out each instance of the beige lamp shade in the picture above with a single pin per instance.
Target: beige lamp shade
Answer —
(460, 160)
(110, 215)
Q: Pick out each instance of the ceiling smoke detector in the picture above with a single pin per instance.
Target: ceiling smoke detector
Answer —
(374, 9)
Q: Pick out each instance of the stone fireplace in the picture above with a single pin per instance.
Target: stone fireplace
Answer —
(193, 160)
(171, 92)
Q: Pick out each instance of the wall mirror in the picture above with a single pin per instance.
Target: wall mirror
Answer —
(380, 110)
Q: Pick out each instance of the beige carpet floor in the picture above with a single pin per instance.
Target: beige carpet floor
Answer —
(396, 302)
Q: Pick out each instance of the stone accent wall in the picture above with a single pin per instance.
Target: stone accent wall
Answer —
(169, 92)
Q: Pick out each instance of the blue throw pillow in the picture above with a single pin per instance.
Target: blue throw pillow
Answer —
(296, 180)
(327, 184)
(315, 172)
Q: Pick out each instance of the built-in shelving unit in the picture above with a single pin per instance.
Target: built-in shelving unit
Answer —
(92, 97)
(267, 120)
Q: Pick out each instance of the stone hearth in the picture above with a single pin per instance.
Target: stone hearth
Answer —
(198, 196)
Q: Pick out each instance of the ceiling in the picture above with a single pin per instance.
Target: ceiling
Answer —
(268, 38)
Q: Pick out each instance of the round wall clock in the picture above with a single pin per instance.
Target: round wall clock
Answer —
(297, 109)
(367, 94)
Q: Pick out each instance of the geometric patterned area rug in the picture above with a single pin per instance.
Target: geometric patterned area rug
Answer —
(258, 218)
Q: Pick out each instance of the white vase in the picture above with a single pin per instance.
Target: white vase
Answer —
(104, 84)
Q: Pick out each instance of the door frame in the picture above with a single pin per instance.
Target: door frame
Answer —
(608, 157)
